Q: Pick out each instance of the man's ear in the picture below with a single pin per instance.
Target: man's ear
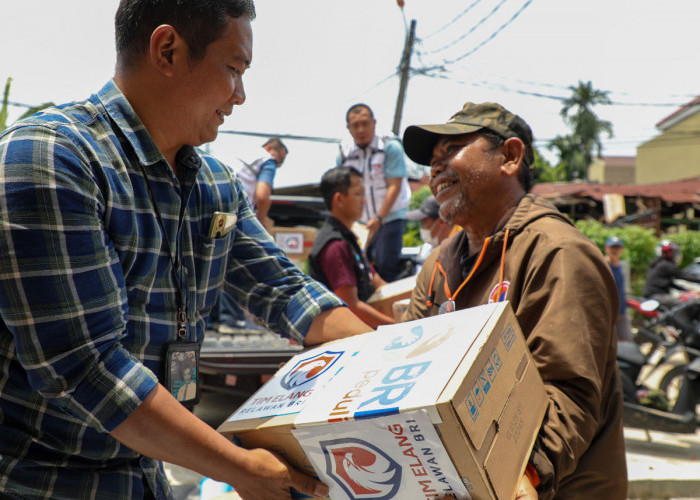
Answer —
(514, 153)
(166, 48)
(337, 200)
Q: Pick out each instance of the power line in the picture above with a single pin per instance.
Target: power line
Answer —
(543, 95)
(471, 30)
(493, 35)
(309, 138)
(456, 18)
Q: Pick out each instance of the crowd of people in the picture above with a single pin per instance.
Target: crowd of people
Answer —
(119, 239)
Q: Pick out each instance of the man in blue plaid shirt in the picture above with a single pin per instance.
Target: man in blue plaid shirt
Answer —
(116, 235)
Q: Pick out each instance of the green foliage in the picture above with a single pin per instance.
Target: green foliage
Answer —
(543, 171)
(689, 241)
(640, 244)
(3, 108)
(576, 151)
(411, 236)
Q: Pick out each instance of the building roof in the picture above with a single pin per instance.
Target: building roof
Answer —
(682, 191)
(619, 161)
(680, 114)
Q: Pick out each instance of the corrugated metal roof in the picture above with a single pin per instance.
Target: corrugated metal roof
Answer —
(683, 191)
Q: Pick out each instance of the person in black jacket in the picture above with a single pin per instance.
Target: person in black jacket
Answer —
(336, 259)
(662, 273)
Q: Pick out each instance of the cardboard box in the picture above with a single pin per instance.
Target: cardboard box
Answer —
(384, 297)
(265, 420)
(469, 373)
(404, 458)
(296, 242)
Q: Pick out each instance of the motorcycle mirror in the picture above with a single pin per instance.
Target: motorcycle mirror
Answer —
(649, 305)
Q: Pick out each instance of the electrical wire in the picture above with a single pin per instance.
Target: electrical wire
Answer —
(470, 31)
(454, 20)
(310, 138)
(493, 35)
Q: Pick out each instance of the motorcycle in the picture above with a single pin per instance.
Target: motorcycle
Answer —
(672, 405)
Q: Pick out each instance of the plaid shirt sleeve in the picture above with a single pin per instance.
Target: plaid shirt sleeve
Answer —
(263, 280)
(62, 293)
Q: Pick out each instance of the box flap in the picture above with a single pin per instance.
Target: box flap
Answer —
(405, 366)
(492, 373)
(292, 386)
(511, 448)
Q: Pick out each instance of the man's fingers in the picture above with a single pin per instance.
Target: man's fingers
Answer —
(307, 484)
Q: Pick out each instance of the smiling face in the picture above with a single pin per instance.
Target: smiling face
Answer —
(465, 176)
(211, 87)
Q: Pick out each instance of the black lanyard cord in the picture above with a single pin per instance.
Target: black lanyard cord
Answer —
(176, 261)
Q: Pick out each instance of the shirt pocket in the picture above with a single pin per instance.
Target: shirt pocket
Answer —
(211, 259)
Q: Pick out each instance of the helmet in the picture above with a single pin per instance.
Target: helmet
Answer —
(669, 250)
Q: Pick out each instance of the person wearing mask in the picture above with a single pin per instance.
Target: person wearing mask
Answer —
(433, 228)
(380, 160)
(336, 258)
(116, 236)
(518, 247)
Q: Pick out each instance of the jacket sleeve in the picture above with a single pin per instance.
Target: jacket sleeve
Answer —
(568, 310)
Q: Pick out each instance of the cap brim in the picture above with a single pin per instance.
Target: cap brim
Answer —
(417, 214)
(419, 140)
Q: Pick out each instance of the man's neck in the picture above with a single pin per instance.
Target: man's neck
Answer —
(478, 234)
(343, 220)
(139, 96)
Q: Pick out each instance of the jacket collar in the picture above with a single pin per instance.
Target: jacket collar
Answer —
(529, 209)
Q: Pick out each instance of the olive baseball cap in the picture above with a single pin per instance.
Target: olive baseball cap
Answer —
(419, 140)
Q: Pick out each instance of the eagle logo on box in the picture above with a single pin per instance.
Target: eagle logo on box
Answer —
(362, 470)
(310, 369)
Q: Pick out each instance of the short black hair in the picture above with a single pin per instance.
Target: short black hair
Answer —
(199, 22)
(497, 140)
(336, 180)
(356, 108)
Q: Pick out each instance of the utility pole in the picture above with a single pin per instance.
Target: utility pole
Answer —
(405, 67)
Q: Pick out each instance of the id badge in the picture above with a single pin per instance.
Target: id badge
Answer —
(182, 371)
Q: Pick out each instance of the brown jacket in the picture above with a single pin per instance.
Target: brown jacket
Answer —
(565, 299)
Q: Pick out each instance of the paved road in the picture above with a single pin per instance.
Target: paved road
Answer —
(660, 465)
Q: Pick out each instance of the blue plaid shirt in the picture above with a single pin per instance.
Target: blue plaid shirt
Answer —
(88, 297)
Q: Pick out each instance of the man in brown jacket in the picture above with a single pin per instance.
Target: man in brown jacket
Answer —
(519, 248)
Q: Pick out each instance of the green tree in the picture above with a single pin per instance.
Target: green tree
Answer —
(572, 164)
(586, 126)
(543, 171)
(411, 235)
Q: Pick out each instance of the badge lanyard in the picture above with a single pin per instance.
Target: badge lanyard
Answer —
(449, 305)
(176, 262)
(181, 357)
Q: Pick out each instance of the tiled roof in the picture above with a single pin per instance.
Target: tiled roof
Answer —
(683, 191)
